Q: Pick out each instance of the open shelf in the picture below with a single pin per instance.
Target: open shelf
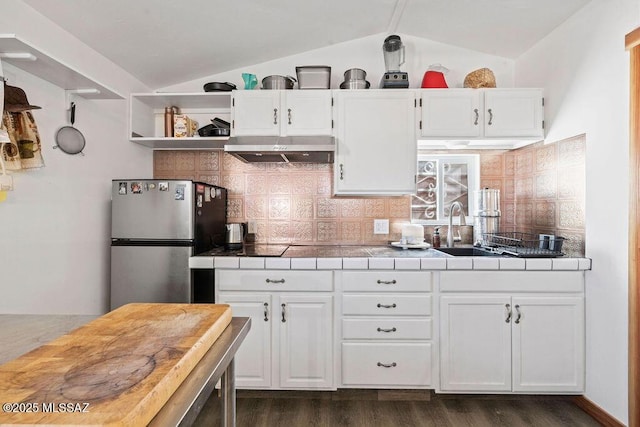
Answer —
(147, 118)
(22, 55)
(191, 143)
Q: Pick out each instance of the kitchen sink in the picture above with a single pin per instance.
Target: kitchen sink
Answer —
(467, 251)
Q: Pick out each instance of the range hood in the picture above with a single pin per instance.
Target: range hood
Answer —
(282, 149)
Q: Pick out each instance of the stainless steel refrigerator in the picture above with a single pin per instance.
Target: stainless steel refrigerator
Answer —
(156, 225)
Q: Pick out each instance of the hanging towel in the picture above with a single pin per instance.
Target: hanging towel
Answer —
(25, 149)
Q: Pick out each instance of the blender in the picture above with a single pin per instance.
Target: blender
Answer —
(393, 51)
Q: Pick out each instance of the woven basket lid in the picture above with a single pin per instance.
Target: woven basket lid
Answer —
(482, 77)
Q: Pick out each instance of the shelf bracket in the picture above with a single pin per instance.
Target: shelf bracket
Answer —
(69, 93)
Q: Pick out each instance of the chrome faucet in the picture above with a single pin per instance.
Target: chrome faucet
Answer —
(463, 221)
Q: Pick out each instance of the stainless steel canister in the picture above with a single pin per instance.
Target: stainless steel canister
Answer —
(487, 215)
(487, 202)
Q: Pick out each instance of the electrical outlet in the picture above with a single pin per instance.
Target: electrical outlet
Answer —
(251, 227)
(380, 226)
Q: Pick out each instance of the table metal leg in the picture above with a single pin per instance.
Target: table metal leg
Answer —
(228, 388)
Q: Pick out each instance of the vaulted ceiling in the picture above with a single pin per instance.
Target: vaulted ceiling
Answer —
(164, 42)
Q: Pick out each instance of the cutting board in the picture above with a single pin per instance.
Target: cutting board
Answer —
(125, 365)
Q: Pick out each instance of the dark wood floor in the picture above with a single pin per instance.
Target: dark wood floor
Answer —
(370, 408)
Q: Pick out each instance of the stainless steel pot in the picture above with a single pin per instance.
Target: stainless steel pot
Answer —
(278, 82)
(355, 84)
(355, 74)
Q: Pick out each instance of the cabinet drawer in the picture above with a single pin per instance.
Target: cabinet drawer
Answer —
(387, 329)
(387, 304)
(274, 280)
(387, 281)
(390, 364)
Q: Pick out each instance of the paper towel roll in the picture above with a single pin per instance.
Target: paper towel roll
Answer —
(413, 233)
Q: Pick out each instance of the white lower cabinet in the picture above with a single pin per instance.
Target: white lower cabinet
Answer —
(386, 364)
(290, 343)
(253, 359)
(387, 329)
(515, 340)
(306, 338)
(452, 331)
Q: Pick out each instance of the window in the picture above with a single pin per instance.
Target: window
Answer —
(443, 179)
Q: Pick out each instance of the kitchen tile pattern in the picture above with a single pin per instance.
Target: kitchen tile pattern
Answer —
(542, 190)
(290, 203)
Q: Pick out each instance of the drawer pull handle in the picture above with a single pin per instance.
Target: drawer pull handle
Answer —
(387, 306)
(387, 365)
(387, 330)
(387, 282)
(519, 314)
(266, 312)
(275, 281)
(508, 307)
(283, 313)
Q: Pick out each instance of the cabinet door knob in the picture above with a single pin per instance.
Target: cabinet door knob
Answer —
(475, 122)
(275, 116)
(490, 117)
(284, 319)
(387, 365)
(508, 307)
(275, 281)
(387, 306)
(266, 312)
(289, 114)
(341, 171)
(387, 330)
(519, 314)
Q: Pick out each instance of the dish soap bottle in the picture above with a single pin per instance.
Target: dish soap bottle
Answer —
(435, 239)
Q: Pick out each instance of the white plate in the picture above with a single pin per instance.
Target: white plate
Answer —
(423, 245)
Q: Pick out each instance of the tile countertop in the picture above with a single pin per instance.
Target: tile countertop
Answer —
(372, 258)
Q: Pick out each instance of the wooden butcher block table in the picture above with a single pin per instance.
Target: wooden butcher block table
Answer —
(117, 370)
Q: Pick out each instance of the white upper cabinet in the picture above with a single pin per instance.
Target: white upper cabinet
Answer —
(513, 113)
(281, 112)
(480, 118)
(375, 142)
(307, 112)
(255, 112)
(451, 113)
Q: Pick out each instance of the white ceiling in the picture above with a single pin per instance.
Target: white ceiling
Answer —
(165, 42)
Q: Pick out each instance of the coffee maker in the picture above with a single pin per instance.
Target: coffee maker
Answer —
(393, 51)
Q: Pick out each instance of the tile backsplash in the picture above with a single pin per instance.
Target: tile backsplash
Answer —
(541, 186)
(542, 189)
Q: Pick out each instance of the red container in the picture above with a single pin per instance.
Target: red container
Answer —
(434, 79)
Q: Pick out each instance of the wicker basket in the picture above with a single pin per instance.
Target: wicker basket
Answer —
(482, 77)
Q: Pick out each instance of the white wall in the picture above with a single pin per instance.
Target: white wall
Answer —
(584, 69)
(366, 53)
(55, 226)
